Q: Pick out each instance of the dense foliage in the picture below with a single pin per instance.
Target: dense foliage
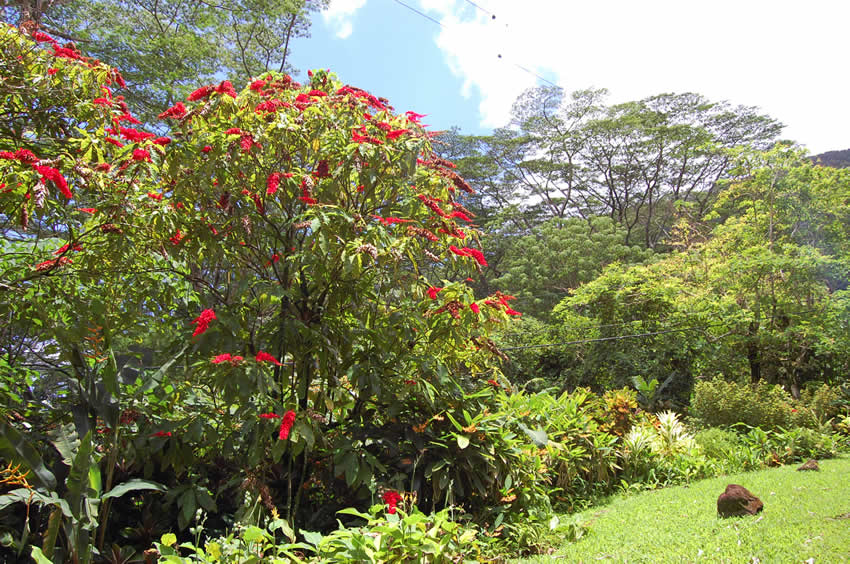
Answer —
(277, 311)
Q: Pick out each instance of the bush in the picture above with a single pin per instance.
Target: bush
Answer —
(718, 403)
(717, 443)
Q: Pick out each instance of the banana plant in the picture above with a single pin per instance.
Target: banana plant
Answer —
(75, 503)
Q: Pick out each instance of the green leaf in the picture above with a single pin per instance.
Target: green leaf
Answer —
(538, 436)
(15, 447)
(133, 485)
(462, 441)
(39, 557)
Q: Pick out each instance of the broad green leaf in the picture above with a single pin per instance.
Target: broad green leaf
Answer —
(15, 447)
(131, 486)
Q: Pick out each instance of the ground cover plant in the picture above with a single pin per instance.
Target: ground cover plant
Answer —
(805, 517)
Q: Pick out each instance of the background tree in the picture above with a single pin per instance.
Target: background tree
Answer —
(164, 48)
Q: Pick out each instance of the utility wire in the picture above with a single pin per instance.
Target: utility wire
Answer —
(499, 55)
(424, 15)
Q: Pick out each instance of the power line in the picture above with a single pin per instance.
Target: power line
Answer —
(486, 11)
(424, 15)
(493, 16)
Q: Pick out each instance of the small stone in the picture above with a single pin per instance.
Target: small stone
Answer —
(737, 501)
(810, 465)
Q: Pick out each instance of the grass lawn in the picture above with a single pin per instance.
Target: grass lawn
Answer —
(806, 515)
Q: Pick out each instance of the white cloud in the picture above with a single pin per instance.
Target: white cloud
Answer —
(339, 16)
(780, 55)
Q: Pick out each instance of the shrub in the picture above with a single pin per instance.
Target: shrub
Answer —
(718, 403)
(717, 443)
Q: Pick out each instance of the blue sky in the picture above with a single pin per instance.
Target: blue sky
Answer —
(391, 52)
(785, 57)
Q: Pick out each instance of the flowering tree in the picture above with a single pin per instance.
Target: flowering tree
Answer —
(267, 253)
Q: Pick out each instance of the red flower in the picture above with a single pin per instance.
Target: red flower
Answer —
(206, 149)
(177, 111)
(42, 37)
(226, 88)
(474, 307)
(201, 92)
(257, 85)
(113, 141)
(202, 322)
(26, 156)
(396, 133)
(52, 174)
(494, 383)
(50, 264)
(128, 118)
(222, 358)
(162, 141)
(155, 196)
(390, 220)
(510, 311)
(266, 357)
(270, 416)
(88, 210)
(134, 135)
(177, 237)
(141, 155)
(308, 200)
(233, 131)
(460, 215)
(286, 423)
(414, 117)
(391, 498)
(317, 93)
(433, 291)
(161, 434)
(7, 155)
(410, 382)
(467, 252)
(65, 247)
(272, 182)
(51, 71)
(101, 102)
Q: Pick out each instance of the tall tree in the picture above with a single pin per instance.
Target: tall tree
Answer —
(164, 47)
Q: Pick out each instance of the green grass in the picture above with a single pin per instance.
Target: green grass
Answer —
(802, 519)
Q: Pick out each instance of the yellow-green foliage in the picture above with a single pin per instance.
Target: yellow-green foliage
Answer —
(718, 403)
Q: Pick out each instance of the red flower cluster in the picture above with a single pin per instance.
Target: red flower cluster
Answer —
(202, 322)
(24, 155)
(177, 237)
(226, 88)
(286, 423)
(272, 182)
(396, 133)
(114, 141)
(269, 416)
(66, 247)
(468, 252)
(474, 307)
(52, 174)
(257, 85)
(177, 111)
(141, 155)
(161, 434)
(433, 291)
(375, 103)
(51, 264)
(391, 220)
(155, 196)
(200, 93)
(414, 117)
(392, 499)
(133, 135)
(226, 357)
(433, 204)
(502, 301)
(266, 357)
